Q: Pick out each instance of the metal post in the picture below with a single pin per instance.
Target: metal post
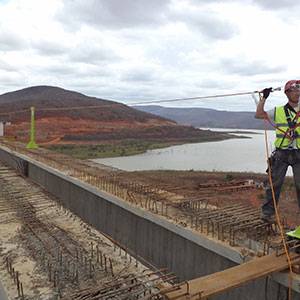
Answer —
(32, 144)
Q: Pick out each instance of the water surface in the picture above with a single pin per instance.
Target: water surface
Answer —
(230, 155)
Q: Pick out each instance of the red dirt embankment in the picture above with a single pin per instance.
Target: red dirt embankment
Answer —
(64, 116)
(54, 129)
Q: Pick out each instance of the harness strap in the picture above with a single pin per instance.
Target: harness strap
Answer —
(291, 123)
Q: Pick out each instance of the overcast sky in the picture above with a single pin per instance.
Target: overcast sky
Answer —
(140, 50)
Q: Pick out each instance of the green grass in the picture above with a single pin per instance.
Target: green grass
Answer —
(124, 148)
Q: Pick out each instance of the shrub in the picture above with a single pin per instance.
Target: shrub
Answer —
(228, 177)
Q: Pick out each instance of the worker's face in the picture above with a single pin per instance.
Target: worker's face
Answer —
(293, 94)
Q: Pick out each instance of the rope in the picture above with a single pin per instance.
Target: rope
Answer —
(286, 133)
(282, 234)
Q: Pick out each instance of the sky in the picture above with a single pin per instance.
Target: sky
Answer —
(139, 50)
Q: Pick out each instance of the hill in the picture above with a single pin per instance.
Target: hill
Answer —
(204, 117)
(68, 117)
(43, 97)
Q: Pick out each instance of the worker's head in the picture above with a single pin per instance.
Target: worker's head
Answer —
(292, 90)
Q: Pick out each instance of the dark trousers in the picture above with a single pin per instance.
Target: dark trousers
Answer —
(280, 161)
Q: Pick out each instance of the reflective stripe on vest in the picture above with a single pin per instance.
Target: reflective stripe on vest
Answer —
(281, 135)
(282, 124)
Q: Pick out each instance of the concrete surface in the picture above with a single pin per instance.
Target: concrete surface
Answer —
(3, 295)
(156, 240)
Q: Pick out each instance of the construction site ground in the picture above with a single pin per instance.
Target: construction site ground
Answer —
(234, 189)
(49, 253)
(222, 206)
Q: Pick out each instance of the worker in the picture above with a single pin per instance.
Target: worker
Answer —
(287, 144)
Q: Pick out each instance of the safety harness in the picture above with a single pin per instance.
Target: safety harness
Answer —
(291, 133)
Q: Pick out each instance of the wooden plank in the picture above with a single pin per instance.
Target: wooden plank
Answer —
(220, 282)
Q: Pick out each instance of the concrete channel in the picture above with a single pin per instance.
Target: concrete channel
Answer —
(3, 295)
(146, 235)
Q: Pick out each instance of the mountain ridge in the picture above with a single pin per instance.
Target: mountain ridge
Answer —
(42, 97)
(206, 117)
(105, 122)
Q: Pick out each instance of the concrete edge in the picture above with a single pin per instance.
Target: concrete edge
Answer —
(201, 240)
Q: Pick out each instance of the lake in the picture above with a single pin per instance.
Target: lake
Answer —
(230, 155)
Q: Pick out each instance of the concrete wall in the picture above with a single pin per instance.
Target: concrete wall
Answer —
(142, 232)
(157, 240)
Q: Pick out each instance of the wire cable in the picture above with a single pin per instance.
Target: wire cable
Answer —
(204, 97)
(194, 98)
(137, 103)
(62, 108)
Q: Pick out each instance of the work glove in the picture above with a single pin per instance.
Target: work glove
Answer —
(266, 92)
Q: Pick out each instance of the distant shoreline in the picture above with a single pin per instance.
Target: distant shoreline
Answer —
(242, 132)
(233, 130)
(129, 147)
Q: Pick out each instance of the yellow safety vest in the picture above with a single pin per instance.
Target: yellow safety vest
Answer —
(282, 123)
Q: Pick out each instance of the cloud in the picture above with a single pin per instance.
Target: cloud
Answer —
(267, 4)
(4, 66)
(11, 80)
(76, 72)
(140, 75)
(92, 54)
(206, 21)
(59, 69)
(49, 47)
(113, 14)
(137, 50)
(203, 2)
(213, 84)
(204, 18)
(212, 26)
(276, 4)
(11, 41)
(245, 67)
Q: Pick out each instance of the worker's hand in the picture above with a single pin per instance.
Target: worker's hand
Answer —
(266, 92)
